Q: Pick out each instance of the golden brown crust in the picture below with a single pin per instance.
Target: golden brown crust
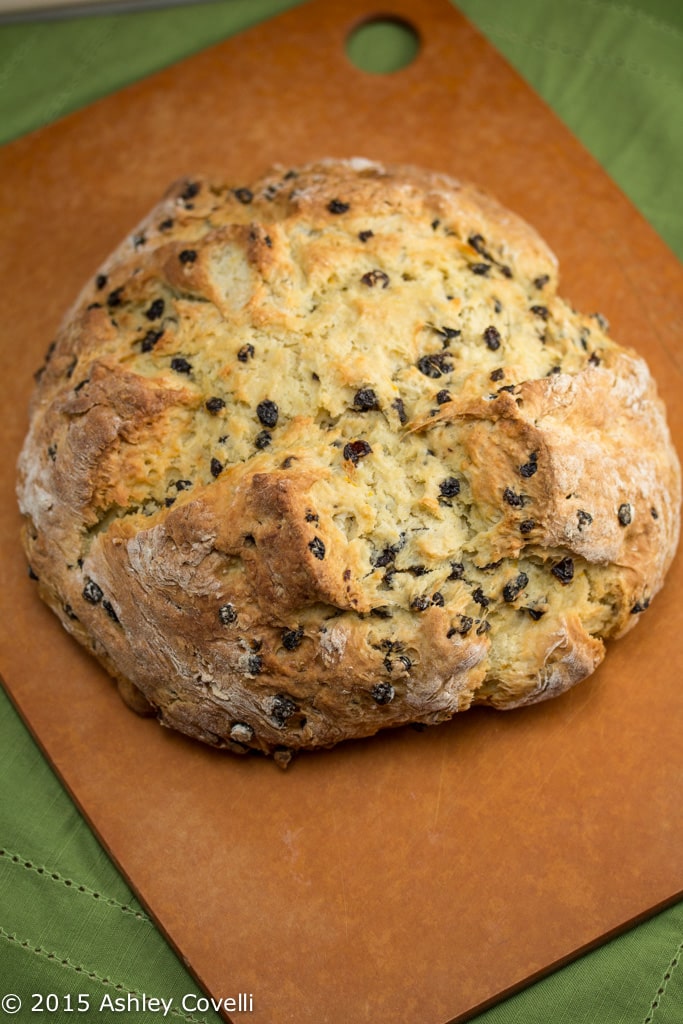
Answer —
(328, 454)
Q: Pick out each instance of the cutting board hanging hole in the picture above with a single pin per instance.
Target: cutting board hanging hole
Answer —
(382, 44)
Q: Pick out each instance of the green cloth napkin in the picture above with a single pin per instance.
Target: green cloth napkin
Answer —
(68, 922)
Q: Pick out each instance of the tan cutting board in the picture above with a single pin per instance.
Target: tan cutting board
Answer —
(418, 876)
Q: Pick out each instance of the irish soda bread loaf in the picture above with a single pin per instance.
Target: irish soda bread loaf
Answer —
(326, 453)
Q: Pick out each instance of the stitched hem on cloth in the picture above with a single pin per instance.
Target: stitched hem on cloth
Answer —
(654, 1005)
(55, 876)
(578, 55)
(634, 12)
(82, 971)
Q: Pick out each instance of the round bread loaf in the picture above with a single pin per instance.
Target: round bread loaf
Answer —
(326, 453)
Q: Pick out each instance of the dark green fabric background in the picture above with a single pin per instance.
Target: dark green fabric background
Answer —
(68, 922)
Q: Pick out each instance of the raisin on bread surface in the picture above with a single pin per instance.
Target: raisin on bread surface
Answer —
(326, 453)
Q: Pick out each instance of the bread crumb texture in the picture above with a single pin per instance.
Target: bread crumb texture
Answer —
(327, 453)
